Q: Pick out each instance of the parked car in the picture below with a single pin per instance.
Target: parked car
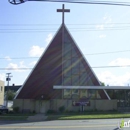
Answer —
(3, 109)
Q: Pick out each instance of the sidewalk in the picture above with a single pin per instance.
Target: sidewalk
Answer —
(37, 117)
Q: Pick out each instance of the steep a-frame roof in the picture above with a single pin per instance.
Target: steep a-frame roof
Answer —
(61, 64)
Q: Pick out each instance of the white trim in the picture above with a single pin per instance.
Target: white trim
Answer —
(91, 87)
(106, 94)
(37, 62)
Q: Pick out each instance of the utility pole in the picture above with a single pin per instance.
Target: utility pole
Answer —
(8, 78)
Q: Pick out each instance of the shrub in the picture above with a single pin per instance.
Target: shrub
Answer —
(50, 111)
(11, 112)
(16, 109)
(62, 109)
(33, 111)
(10, 95)
(95, 110)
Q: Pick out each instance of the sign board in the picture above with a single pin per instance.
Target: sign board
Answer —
(81, 103)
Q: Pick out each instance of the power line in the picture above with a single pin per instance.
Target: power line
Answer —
(29, 24)
(89, 2)
(16, 69)
(90, 27)
(76, 31)
(110, 66)
(53, 30)
(111, 52)
(19, 58)
(102, 53)
(15, 2)
(49, 29)
(105, 26)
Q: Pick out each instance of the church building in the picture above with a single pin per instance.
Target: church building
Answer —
(60, 79)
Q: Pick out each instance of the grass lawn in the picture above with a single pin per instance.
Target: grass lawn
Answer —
(87, 116)
(67, 116)
(16, 117)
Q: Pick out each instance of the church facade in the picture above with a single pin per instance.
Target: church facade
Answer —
(62, 64)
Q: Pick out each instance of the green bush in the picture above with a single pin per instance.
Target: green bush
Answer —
(33, 111)
(16, 109)
(62, 109)
(50, 111)
(11, 112)
(10, 95)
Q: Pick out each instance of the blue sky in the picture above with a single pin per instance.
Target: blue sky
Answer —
(27, 29)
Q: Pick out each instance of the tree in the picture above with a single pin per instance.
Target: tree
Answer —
(10, 95)
(102, 83)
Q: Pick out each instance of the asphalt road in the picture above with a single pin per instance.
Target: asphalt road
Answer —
(96, 124)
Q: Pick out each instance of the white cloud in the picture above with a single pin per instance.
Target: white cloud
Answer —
(110, 79)
(36, 51)
(16, 67)
(120, 62)
(102, 36)
(49, 38)
(106, 24)
(8, 58)
(2, 76)
(100, 27)
(107, 18)
(33, 63)
(108, 21)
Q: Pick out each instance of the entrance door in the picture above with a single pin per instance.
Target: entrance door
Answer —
(42, 107)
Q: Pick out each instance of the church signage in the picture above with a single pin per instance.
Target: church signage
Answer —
(81, 103)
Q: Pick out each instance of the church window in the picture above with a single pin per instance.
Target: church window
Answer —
(82, 68)
(67, 47)
(92, 94)
(67, 72)
(98, 95)
(83, 93)
(74, 53)
(67, 55)
(67, 63)
(75, 62)
(67, 93)
(67, 81)
(75, 93)
(75, 71)
(75, 80)
(83, 79)
(89, 82)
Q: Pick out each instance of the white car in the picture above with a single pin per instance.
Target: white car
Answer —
(3, 109)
